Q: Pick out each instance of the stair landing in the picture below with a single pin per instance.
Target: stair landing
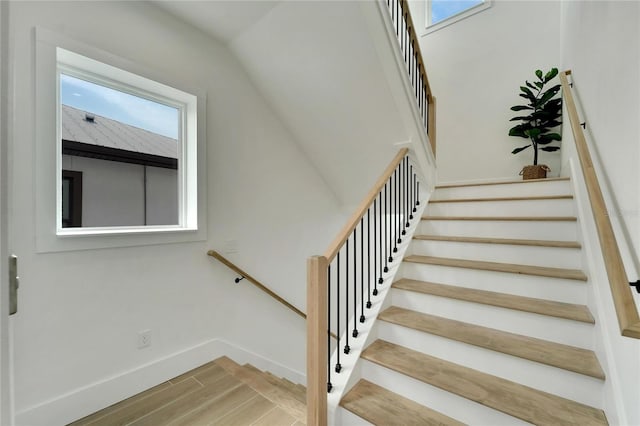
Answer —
(221, 392)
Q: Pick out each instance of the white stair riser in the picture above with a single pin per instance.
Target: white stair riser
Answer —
(533, 230)
(559, 330)
(345, 417)
(529, 189)
(562, 207)
(556, 289)
(519, 254)
(574, 386)
(449, 404)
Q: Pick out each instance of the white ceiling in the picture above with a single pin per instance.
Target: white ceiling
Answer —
(223, 19)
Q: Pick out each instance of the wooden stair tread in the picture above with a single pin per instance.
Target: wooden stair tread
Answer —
(505, 218)
(569, 358)
(383, 407)
(523, 402)
(488, 199)
(506, 241)
(508, 182)
(542, 271)
(256, 379)
(551, 308)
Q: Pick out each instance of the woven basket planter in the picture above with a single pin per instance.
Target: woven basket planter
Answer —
(535, 172)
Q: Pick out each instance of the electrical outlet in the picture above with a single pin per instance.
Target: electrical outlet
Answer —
(144, 339)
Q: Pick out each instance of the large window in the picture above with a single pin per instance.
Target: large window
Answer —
(120, 155)
(131, 138)
(441, 13)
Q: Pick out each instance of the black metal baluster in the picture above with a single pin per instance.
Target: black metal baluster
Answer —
(411, 192)
(415, 193)
(418, 194)
(355, 284)
(382, 256)
(329, 385)
(396, 217)
(375, 244)
(407, 216)
(403, 196)
(369, 254)
(387, 227)
(338, 365)
(347, 348)
(361, 269)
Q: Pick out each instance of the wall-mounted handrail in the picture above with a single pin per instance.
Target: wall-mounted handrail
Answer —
(352, 268)
(254, 281)
(244, 275)
(410, 49)
(626, 310)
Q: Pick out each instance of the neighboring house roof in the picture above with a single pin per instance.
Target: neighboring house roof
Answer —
(114, 134)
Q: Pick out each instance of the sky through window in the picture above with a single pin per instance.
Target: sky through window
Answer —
(116, 105)
(444, 9)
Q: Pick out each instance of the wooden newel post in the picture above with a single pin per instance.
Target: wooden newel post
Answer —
(317, 341)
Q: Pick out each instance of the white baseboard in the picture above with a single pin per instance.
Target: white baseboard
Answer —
(83, 401)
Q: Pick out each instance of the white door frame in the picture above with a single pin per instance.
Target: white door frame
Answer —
(6, 414)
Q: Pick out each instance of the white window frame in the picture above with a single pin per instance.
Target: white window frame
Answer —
(486, 4)
(56, 54)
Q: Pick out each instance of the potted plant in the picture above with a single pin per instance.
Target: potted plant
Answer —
(544, 111)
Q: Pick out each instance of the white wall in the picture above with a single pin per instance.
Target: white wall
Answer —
(601, 45)
(75, 335)
(113, 193)
(475, 68)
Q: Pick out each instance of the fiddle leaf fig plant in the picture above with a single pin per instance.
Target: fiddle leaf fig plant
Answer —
(543, 110)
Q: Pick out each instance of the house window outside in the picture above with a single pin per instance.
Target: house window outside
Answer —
(133, 140)
(441, 13)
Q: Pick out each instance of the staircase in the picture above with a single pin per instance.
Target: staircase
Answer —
(487, 322)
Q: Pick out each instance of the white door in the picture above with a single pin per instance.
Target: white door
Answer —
(5, 376)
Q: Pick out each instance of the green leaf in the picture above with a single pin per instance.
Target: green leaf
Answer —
(523, 118)
(551, 74)
(528, 92)
(539, 74)
(522, 148)
(532, 133)
(554, 136)
(531, 86)
(550, 148)
(547, 96)
(539, 84)
(547, 138)
(520, 108)
(518, 131)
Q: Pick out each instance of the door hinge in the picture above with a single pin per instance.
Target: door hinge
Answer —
(14, 283)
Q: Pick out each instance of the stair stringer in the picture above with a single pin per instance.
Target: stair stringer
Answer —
(351, 364)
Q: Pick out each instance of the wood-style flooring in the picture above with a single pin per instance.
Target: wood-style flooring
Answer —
(221, 392)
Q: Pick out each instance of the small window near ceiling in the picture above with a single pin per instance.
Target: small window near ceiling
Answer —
(127, 150)
(441, 13)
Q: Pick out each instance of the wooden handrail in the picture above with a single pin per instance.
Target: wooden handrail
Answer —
(404, 5)
(258, 284)
(354, 220)
(626, 310)
(255, 282)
